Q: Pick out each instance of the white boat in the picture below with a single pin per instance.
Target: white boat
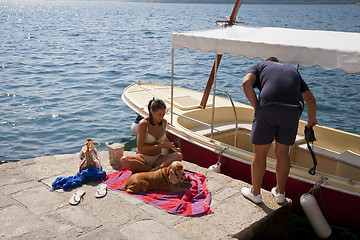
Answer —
(218, 130)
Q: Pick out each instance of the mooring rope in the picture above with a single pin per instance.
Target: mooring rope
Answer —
(317, 186)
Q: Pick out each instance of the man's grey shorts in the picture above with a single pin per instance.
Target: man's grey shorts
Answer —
(275, 122)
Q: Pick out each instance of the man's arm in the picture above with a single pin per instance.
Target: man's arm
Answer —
(248, 83)
(311, 107)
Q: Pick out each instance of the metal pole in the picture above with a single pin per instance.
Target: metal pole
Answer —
(172, 86)
(192, 119)
(236, 119)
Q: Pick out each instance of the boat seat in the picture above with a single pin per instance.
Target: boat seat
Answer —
(185, 102)
(348, 165)
(230, 126)
(244, 141)
(348, 157)
(221, 128)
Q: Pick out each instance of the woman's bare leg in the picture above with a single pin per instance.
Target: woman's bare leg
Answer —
(166, 160)
(135, 163)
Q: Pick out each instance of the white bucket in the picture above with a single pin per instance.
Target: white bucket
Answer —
(116, 151)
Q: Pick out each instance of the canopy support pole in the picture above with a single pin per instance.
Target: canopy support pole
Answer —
(172, 86)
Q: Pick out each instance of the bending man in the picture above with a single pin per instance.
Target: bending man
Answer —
(282, 93)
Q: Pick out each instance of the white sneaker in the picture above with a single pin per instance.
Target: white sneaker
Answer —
(247, 192)
(280, 198)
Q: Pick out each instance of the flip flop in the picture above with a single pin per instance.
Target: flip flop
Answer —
(77, 197)
(101, 191)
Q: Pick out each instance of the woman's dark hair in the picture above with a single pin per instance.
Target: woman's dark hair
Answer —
(155, 104)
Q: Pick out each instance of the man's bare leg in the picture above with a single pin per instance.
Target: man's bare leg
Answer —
(282, 166)
(258, 166)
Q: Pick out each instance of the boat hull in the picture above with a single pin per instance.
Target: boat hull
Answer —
(337, 152)
(339, 208)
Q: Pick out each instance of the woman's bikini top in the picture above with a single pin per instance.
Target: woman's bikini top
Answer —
(149, 139)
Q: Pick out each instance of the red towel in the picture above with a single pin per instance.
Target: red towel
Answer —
(196, 201)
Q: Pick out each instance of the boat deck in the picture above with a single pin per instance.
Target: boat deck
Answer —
(28, 209)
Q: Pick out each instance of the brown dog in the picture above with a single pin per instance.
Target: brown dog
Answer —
(169, 179)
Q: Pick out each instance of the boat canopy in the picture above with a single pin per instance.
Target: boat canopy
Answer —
(328, 49)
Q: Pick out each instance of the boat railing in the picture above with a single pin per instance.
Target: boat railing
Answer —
(192, 119)
(212, 120)
(235, 114)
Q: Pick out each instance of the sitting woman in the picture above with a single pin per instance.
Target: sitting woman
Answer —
(151, 138)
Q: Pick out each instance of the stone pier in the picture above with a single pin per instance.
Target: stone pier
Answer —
(28, 210)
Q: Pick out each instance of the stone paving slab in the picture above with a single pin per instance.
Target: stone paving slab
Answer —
(28, 210)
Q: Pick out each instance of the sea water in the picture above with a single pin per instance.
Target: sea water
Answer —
(65, 64)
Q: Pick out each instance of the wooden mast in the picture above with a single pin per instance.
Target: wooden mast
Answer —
(234, 13)
(210, 82)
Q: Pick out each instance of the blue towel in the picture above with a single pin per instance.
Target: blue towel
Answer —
(90, 174)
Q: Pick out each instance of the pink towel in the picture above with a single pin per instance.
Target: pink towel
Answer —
(196, 201)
